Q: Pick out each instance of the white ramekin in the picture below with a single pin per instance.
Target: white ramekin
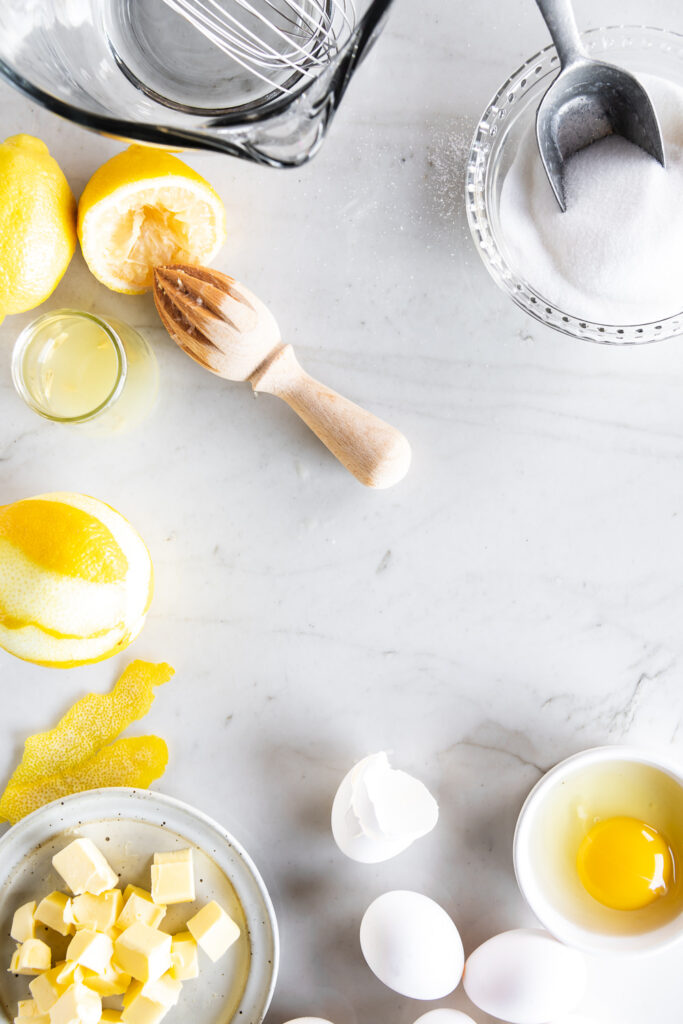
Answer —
(549, 914)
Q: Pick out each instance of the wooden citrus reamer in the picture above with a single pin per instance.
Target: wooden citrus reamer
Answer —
(228, 330)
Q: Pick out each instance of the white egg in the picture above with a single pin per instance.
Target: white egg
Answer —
(525, 977)
(412, 945)
(308, 1020)
(444, 1017)
(378, 811)
(573, 1018)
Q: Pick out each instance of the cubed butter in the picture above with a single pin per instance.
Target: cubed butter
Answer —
(47, 988)
(110, 1017)
(90, 949)
(55, 912)
(184, 959)
(23, 923)
(134, 991)
(33, 957)
(78, 1005)
(28, 1010)
(139, 908)
(214, 930)
(141, 1010)
(143, 952)
(97, 912)
(84, 868)
(173, 877)
(165, 990)
(70, 973)
(109, 982)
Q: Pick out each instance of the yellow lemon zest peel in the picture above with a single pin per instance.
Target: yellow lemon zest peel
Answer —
(67, 758)
(64, 539)
(135, 761)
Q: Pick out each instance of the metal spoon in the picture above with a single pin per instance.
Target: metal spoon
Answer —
(588, 100)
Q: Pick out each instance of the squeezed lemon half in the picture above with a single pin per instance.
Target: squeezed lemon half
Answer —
(143, 208)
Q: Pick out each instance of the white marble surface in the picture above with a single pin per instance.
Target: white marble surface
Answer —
(518, 598)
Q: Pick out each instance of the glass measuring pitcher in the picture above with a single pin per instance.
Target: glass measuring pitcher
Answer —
(139, 70)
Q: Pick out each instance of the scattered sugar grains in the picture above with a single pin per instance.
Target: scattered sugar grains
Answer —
(615, 255)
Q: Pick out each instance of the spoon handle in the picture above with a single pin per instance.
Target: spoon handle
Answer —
(376, 453)
(559, 17)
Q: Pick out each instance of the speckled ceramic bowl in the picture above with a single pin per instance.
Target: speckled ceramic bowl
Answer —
(507, 117)
(129, 826)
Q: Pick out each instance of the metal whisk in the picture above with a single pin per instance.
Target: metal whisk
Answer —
(278, 41)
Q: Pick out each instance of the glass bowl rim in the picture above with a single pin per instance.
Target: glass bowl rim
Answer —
(190, 138)
(511, 282)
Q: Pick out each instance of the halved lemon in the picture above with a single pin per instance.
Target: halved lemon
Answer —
(144, 208)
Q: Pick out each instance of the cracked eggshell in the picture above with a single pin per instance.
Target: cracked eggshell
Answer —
(444, 1016)
(411, 944)
(379, 811)
(525, 976)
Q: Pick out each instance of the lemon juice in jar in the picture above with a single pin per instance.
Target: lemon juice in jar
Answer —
(75, 367)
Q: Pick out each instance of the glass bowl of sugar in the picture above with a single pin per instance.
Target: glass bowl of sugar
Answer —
(609, 268)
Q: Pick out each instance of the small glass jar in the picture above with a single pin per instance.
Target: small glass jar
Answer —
(74, 367)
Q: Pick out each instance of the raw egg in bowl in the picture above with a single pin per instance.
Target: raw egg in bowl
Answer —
(598, 851)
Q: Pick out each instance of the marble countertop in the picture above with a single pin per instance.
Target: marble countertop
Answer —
(516, 599)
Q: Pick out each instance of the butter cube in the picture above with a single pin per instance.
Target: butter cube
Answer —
(78, 1005)
(33, 957)
(143, 952)
(23, 923)
(84, 869)
(109, 982)
(139, 908)
(184, 957)
(141, 1010)
(173, 877)
(55, 912)
(110, 1017)
(70, 973)
(47, 988)
(214, 930)
(28, 1008)
(90, 949)
(97, 912)
(132, 993)
(165, 990)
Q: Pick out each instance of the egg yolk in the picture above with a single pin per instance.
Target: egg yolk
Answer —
(625, 864)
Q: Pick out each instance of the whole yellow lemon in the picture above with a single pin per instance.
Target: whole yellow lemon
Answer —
(37, 224)
(76, 580)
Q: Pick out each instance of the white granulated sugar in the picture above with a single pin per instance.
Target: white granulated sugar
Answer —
(616, 255)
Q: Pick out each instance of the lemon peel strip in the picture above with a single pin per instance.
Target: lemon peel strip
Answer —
(75, 543)
(92, 722)
(137, 761)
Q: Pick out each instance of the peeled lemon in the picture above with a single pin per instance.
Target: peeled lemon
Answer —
(37, 224)
(144, 208)
(76, 580)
